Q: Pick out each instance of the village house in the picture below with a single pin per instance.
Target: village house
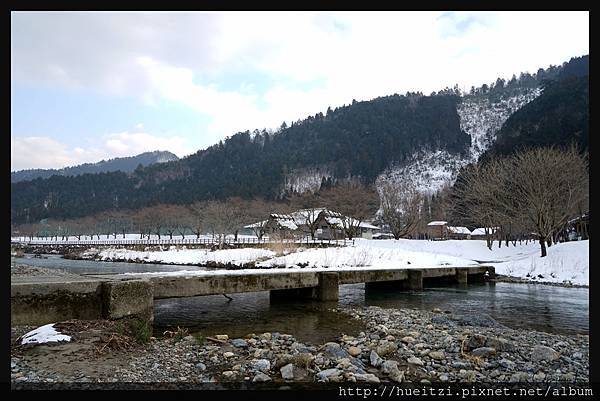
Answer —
(437, 230)
(325, 224)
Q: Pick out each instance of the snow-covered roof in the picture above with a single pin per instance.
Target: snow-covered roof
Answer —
(286, 223)
(437, 223)
(259, 224)
(481, 231)
(367, 225)
(459, 230)
(305, 216)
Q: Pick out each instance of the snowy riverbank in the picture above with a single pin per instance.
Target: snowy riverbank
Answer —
(566, 263)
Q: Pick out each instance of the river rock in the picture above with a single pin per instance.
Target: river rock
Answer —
(228, 374)
(228, 354)
(407, 340)
(413, 360)
(223, 337)
(239, 343)
(262, 365)
(282, 360)
(375, 359)
(303, 360)
(507, 364)
(475, 341)
(543, 353)
(387, 348)
(482, 352)
(329, 374)
(261, 377)
(519, 377)
(287, 372)
(388, 366)
(500, 344)
(200, 366)
(354, 351)
(335, 350)
(366, 377)
(437, 355)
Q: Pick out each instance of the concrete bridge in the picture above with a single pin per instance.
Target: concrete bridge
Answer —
(46, 299)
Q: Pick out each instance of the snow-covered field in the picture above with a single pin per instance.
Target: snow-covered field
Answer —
(566, 262)
(190, 256)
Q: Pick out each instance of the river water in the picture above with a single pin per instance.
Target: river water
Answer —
(530, 306)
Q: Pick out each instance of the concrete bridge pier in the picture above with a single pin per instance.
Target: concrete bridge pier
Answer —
(326, 290)
(462, 276)
(491, 273)
(329, 288)
(413, 282)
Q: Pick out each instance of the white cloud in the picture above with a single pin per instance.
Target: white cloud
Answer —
(187, 58)
(44, 152)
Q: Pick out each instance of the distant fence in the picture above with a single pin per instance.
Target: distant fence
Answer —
(181, 241)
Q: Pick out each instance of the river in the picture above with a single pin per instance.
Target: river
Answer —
(529, 306)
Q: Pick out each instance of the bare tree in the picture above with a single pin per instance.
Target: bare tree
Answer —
(355, 201)
(550, 186)
(196, 218)
(476, 196)
(221, 218)
(536, 190)
(401, 206)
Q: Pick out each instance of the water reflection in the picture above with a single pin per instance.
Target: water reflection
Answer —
(538, 307)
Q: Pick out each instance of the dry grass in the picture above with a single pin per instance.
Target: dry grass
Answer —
(282, 248)
(114, 341)
(477, 361)
(177, 334)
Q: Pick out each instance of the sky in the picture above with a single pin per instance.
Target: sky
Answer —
(90, 86)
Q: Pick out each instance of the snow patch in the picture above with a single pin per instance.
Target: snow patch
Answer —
(44, 334)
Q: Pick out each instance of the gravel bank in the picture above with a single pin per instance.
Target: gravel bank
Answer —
(18, 270)
(398, 345)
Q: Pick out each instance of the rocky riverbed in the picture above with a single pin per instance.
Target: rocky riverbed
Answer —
(398, 345)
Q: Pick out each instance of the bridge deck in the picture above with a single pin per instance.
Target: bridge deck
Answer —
(233, 282)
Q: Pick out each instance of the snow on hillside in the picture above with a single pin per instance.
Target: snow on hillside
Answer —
(306, 179)
(430, 171)
(479, 118)
(482, 119)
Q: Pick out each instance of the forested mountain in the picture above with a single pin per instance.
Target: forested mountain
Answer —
(560, 116)
(391, 136)
(125, 164)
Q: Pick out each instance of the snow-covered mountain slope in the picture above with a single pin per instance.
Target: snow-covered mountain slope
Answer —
(306, 179)
(430, 170)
